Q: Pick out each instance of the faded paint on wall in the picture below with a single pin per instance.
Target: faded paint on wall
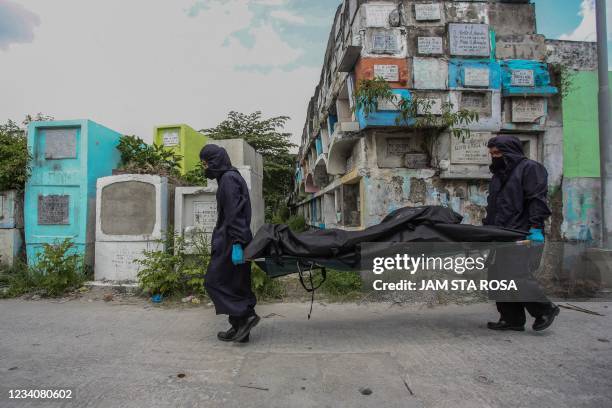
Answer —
(390, 189)
(581, 197)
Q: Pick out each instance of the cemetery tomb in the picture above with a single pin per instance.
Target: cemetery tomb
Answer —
(183, 141)
(59, 203)
(131, 217)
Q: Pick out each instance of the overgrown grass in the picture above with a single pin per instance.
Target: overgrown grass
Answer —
(297, 223)
(15, 280)
(264, 287)
(180, 270)
(341, 285)
(59, 270)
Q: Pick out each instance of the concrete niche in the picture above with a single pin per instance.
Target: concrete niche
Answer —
(131, 217)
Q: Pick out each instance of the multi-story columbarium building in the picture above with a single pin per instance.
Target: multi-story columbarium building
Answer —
(485, 57)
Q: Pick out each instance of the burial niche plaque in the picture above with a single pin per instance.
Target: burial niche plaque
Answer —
(399, 146)
(60, 143)
(430, 45)
(53, 210)
(389, 73)
(384, 43)
(416, 160)
(471, 150)
(528, 110)
(469, 40)
(522, 77)
(427, 11)
(378, 15)
(205, 215)
(391, 104)
(170, 137)
(477, 77)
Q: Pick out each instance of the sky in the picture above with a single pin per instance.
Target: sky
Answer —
(134, 64)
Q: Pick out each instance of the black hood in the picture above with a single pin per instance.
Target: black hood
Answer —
(218, 161)
(512, 150)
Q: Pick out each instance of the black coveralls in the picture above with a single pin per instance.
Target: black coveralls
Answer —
(229, 285)
(518, 200)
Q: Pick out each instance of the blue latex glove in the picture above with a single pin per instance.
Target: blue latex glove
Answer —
(237, 254)
(536, 235)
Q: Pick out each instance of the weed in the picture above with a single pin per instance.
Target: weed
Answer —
(340, 284)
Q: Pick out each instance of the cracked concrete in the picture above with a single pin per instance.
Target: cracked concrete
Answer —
(118, 355)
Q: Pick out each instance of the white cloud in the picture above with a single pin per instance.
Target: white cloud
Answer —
(287, 16)
(16, 24)
(131, 65)
(270, 2)
(268, 49)
(587, 29)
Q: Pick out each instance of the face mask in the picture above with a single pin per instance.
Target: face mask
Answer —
(498, 164)
(209, 174)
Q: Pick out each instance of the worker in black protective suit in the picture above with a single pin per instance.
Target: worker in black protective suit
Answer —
(518, 200)
(228, 279)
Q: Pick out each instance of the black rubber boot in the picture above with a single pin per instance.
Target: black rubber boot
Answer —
(543, 322)
(245, 327)
(504, 326)
(230, 335)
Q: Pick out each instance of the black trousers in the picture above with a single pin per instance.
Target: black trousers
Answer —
(519, 263)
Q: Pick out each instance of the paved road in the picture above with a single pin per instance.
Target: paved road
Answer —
(116, 355)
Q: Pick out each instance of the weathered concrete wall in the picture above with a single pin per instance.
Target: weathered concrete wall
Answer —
(11, 226)
(575, 55)
(482, 56)
(581, 215)
(11, 209)
(11, 245)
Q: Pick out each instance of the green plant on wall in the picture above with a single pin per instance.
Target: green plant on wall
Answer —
(563, 78)
(195, 177)
(415, 112)
(177, 270)
(369, 93)
(180, 269)
(59, 268)
(419, 110)
(139, 157)
(14, 157)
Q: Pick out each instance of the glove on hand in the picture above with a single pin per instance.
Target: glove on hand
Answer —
(237, 254)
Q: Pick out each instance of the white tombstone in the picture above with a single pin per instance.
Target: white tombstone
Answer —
(470, 150)
(427, 11)
(469, 39)
(195, 209)
(377, 15)
(389, 73)
(477, 77)
(430, 73)
(11, 209)
(522, 77)
(11, 243)
(131, 217)
(11, 226)
(430, 45)
(250, 165)
(195, 214)
(528, 110)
